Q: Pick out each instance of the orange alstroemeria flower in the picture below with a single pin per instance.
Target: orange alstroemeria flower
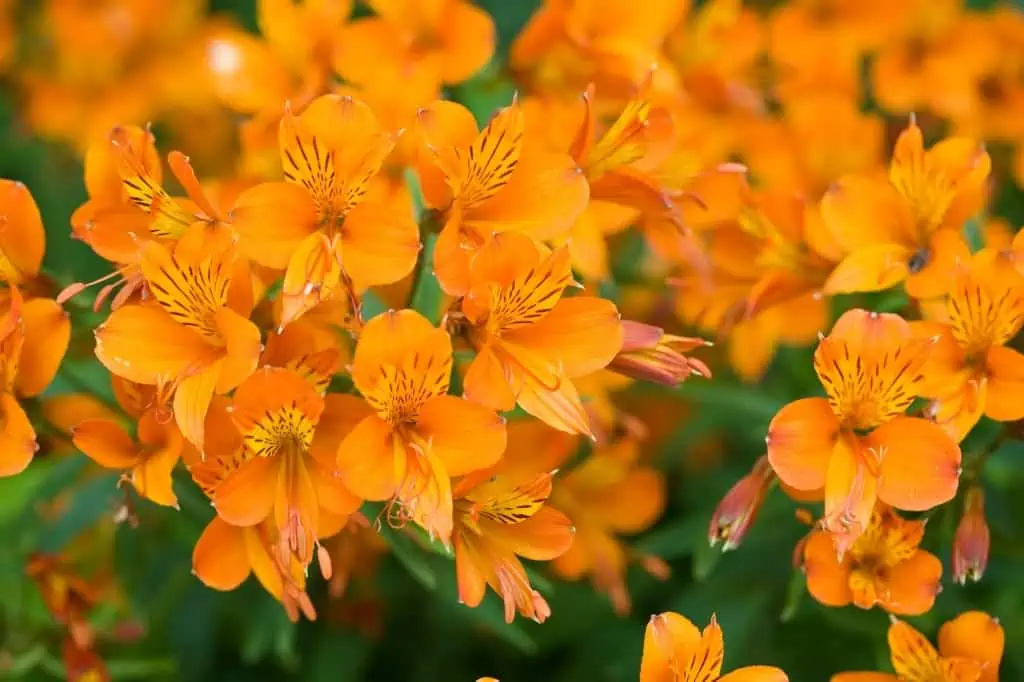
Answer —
(531, 341)
(491, 181)
(449, 39)
(225, 555)
(907, 227)
(609, 494)
(413, 436)
(970, 371)
(150, 457)
(883, 567)
(613, 43)
(67, 596)
(189, 339)
(318, 225)
(289, 473)
(675, 649)
(970, 649)
(502, 515)
(857, 444)
(34, 332)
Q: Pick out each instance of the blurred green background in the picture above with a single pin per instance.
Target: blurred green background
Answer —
(194, 633)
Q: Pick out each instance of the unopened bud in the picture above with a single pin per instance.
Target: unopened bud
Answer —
(649, 354)
(971, 543)
(738, 509)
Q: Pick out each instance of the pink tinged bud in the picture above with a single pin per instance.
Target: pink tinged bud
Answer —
(740, 506)
(971, 543)
(649, 354)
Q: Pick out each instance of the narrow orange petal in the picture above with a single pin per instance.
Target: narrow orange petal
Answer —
(106, 443)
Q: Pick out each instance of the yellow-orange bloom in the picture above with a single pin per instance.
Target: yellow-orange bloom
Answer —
(531, 341)
(857, 444)
(675, 649)
(970, 648)
(609, 494)
(500, 516)
(971, 372)
(907, 227)
(189, 339)
(289, 473)
(412, 437)
(883, 567)
(448, 40)
(491, 181)
(150, 457)
(34, 332)
(318, 225)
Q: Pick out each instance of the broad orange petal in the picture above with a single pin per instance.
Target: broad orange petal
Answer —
(466, 37)
(582, 333)
(1005, 370)
(913, 584)
(920, 463)
(974, 635)
(404, 340)
(669, 641)
(543, 536)
(22, 240)
(106, 443)
(142, 343)
(379, 244)
(486, 382)
(17, 437)
(828, 579)
(465, 436)
(241, 349)
(246, 496)
(870, 268)
(864, 677)
(368, 462)
(946, 252)
(220, 558)
(272, 219)
(47, 332)
(801, 438)
(755, 673)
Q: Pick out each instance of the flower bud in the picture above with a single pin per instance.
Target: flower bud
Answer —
(971, 543)
(649, 354)
(738, 509)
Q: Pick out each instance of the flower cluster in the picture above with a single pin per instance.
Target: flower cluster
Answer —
(364, 305)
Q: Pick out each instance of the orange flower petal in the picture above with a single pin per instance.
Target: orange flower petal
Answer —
(861, 212)
(471, 580)
(451, 257)
(977, 636)
(220, 558)
(465, 436)
(466, 37)
(245, 73)
(403, 340)
(106, 443)
(560, 408)
(913, 584)
(756, 673)
(341, 414)
(477, 175)
(241, 348)
(270, 393)
(546, 534)
(582, 333)
(486, 382)
(22, 239)
(102, 177)
(913, 656)
(366, 47)
(379, 244)
(17, 437)
(142, 343)
(801, 438)
(442, 127)
(272, 220)
(47, 332)
(669, 638)
(313, 276)
(246, 496)
(543, 198)
(947, 251)
(870, 268)
(920, 463)
(192, 401)
(634, 503)
(1005, 370)
(367, 460)
(864, 677)
(151, 477)
(850, 492)
(828, 579)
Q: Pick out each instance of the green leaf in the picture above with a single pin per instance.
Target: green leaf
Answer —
(411, 557)
(90, 502)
